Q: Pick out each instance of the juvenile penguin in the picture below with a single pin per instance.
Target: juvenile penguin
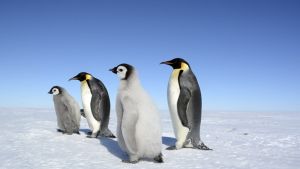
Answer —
(96, 104)
(138, 122)
(67, 110)
(185, 104)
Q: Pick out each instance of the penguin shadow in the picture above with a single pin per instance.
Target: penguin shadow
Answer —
(110, 144)
(168, 141)
(113, 147)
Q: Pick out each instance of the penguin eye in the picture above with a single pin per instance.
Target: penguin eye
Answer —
(121, 70)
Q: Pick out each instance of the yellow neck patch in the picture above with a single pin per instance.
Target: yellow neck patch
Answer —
(184, 66)
(88, 77)
(176, 72)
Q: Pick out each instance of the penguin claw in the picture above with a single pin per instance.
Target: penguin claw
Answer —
(109, 136)
(107, 133)
(112, 136)
(59, 130)
(90, 136)
(159, 158)
(202, 146)
(93, 135)
(171, 148)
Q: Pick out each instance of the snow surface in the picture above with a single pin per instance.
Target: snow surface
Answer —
(239, 140)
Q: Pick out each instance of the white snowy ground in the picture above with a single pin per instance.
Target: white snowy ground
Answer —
(240, 140)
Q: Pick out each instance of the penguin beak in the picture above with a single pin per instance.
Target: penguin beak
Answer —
(167, 63)
(50, 92)
(114, 70)
(74, 78)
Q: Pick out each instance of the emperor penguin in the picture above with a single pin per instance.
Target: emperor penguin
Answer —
(185, 105)
(96, 104)
(67, 111)
(138, 121)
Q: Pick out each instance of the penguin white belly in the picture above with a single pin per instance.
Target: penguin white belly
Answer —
(86, 101)
(145, 135)
(173, 95)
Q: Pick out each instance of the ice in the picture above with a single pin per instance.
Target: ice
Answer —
(239, 140)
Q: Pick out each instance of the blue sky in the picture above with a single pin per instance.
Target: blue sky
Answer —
(245, 54)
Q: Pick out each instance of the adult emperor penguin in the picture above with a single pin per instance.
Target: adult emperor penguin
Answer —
(138, 122)
(67, 110)
(185, 104)
(96, 104)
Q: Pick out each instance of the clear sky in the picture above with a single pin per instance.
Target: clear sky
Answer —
(245, 54)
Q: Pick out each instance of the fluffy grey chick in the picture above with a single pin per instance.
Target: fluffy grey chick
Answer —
(67, 111)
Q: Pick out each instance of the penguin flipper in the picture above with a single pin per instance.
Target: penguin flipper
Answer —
(95, 106)
(182, 103)
(69, 122)
(128, 129)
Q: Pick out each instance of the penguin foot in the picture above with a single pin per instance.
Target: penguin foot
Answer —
(109, 136)
(107, 133)
(171, 148)
(77, 132)
(93, 135)
(159, 158)
(202, 146)
(112, 136)
(90, 136)
(59, 130)
(130, 162)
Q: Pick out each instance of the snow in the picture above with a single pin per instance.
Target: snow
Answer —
(239, 140)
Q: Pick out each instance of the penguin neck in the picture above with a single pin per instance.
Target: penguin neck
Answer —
(83, 82)
(131, 82)
(184, 67)
(84, 86)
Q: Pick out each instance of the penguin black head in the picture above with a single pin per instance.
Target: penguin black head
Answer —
(82, 76)
(55, 90)
(177, 63)
(123, 71)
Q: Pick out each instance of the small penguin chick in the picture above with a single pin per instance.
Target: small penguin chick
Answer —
(67, 111)
(138, 122)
